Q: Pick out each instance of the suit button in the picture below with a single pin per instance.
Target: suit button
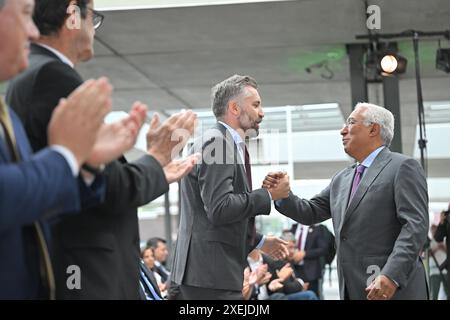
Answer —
(344, 239)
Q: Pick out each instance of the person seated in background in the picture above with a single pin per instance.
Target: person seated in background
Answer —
(160, 253)
(275, 280)
(310, 247)
(148, 257)
(148, 286)
(254, 284)
(442, 233)
(258, 277)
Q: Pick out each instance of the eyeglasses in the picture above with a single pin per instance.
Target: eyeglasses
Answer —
(350, 122)
(97, 18)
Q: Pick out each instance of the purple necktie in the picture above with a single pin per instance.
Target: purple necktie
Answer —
(357, 179)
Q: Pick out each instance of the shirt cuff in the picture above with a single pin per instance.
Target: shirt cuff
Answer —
(70, 158)
(395, 282)
(261, 242)
(269, 195)
(279, 203)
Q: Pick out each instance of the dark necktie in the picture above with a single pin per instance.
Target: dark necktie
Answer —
(299, 243)
(357, 179)
(248, 169)
(248, 173)
(46, 269)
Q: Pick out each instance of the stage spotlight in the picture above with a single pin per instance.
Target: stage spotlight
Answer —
(391, 63)
(443, 60)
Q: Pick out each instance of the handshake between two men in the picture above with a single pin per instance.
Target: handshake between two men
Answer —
(277, 183)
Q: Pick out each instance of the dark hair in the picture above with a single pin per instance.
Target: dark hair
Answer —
(145, 249)
(229, 89)
(153, 242)
(2, 2)
(50, 15)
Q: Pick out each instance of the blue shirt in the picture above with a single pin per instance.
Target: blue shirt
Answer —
(367, 162)
(236, 138)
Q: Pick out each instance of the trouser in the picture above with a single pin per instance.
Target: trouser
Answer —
(435, 285)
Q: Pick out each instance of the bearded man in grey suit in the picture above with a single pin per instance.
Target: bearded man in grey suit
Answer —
(379, 208)
(218, 204)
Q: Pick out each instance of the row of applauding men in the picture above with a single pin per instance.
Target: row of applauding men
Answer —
(68, 196)
(63, 176)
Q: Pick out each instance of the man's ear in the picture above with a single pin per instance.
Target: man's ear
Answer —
(375, 130)
(234, 108)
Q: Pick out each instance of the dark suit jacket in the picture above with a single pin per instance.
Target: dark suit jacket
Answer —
(315, 248)
(36, 189)
(102, 241)
(216, 209)
(381, 229)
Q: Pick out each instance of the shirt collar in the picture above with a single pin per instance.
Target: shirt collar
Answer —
(236, 137)
(60, 55)
(370, 159)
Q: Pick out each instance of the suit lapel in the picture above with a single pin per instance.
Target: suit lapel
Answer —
(22, 148)
(22, 144)
(343, 196)
(237, 162)
(373, 171)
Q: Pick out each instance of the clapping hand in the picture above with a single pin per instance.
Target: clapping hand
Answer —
(178, 169)
(116, 138)
(285, 272)
(166, 140)
(276, 285)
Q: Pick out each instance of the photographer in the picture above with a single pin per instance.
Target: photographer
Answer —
(443, 231)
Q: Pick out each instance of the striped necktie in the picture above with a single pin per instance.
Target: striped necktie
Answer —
(46, 269)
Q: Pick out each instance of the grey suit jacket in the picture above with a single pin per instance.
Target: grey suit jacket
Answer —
(383, 227)
(216, 208)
